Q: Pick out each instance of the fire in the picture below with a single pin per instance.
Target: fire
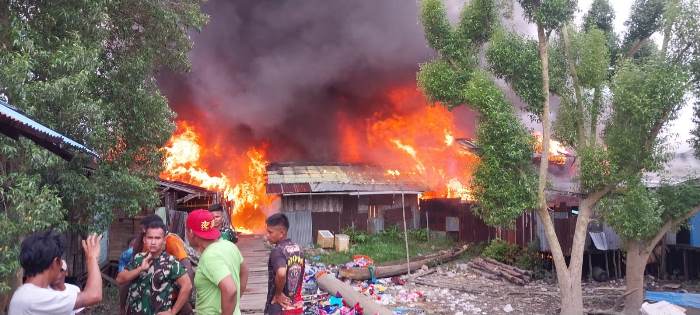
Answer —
(241, 180)
(557, 151)
(415, 140)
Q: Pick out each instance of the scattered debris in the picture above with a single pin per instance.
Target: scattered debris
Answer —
(366, 273)
(508, 308)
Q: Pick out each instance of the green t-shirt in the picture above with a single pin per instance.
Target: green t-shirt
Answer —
(220, 259)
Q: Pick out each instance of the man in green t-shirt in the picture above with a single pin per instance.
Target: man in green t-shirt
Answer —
(221, 275)
(154, 277)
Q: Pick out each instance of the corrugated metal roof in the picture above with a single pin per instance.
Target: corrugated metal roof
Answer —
(287, 178)
(12, 117)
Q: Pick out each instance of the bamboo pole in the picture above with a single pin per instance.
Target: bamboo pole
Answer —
(405, 234)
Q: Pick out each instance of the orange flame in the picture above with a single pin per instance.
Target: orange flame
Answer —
(557, 151)
(416, 140)
(242, 182)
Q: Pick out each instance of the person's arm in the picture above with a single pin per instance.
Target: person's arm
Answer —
(244, 277)
(129, 275)
(93, 287)
(280, 282)
(188, 266)
(184, 295)
(228, 295)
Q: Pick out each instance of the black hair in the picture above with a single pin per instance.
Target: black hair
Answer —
(39, 250)
(216, 207)
(156, 224)
(278, 219)
(150, 218)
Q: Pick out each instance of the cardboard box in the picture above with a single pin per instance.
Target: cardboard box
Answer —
(342, 243)
(325, 239)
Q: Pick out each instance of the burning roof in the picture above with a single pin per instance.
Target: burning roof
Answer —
(294, 178)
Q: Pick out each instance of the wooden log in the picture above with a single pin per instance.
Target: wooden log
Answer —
(329, 283)
(499, 273)
(514, 268)
(482, 273)
(399, 269)
(501, 269)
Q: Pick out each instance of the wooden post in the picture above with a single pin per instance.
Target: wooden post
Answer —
(427, 224)
(662, 269)
(614, 262)
(685, 264)
(405, 234)
(607, 267)
(590, 267)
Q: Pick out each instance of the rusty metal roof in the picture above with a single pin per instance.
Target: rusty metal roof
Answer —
(15, 123)
(292, 178)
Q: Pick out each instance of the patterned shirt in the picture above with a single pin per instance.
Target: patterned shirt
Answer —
(228, 234)
(152, 291)
(286, 254)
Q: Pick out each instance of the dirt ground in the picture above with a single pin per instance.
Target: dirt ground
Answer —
(455, 289)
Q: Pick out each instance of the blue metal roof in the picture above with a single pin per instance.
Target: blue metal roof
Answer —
(21, 120)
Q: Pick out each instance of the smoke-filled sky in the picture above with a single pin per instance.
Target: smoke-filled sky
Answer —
(282, 71)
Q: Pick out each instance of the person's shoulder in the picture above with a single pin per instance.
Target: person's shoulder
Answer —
(173, 236)
(72, 288)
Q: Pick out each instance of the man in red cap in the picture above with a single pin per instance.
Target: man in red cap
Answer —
(221, 274)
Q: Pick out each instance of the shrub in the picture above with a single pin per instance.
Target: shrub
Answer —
(502, 251)
(420, 235)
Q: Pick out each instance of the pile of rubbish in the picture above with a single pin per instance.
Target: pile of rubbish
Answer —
(384, 293)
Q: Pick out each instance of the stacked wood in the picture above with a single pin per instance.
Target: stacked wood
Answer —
(363, 273)
(491, 269)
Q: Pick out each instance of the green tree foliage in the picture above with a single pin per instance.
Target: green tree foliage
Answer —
(504, 182)
(645, 19)
(601, 16)
(550, 14)
(86, 69)
(645, 97)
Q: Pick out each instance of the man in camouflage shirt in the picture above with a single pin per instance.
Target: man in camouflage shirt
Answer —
(226, 233)
(154, 276)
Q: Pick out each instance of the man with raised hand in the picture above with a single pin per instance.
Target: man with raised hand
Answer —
(154, 276)
(221, 275)
(40, 258)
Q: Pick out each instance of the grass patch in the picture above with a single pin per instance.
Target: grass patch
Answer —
(387, 246)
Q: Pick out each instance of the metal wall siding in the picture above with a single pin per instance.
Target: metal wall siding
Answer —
(300, 227)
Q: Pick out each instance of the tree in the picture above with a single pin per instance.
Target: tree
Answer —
(641, 89)
(504, 183)
(657, 85)
(86, 69)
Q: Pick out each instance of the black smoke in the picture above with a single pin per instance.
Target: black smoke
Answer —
(281, 71)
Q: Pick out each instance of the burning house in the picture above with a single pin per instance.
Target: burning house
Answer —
(335, 196)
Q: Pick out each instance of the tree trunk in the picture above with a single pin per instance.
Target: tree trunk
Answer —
(637, 256)
(571, 297)
(569, 282)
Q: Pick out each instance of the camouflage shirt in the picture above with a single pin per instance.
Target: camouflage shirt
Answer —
(153, 290)
(228, 234)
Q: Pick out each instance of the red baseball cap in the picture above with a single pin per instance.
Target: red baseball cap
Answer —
(201, 222)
